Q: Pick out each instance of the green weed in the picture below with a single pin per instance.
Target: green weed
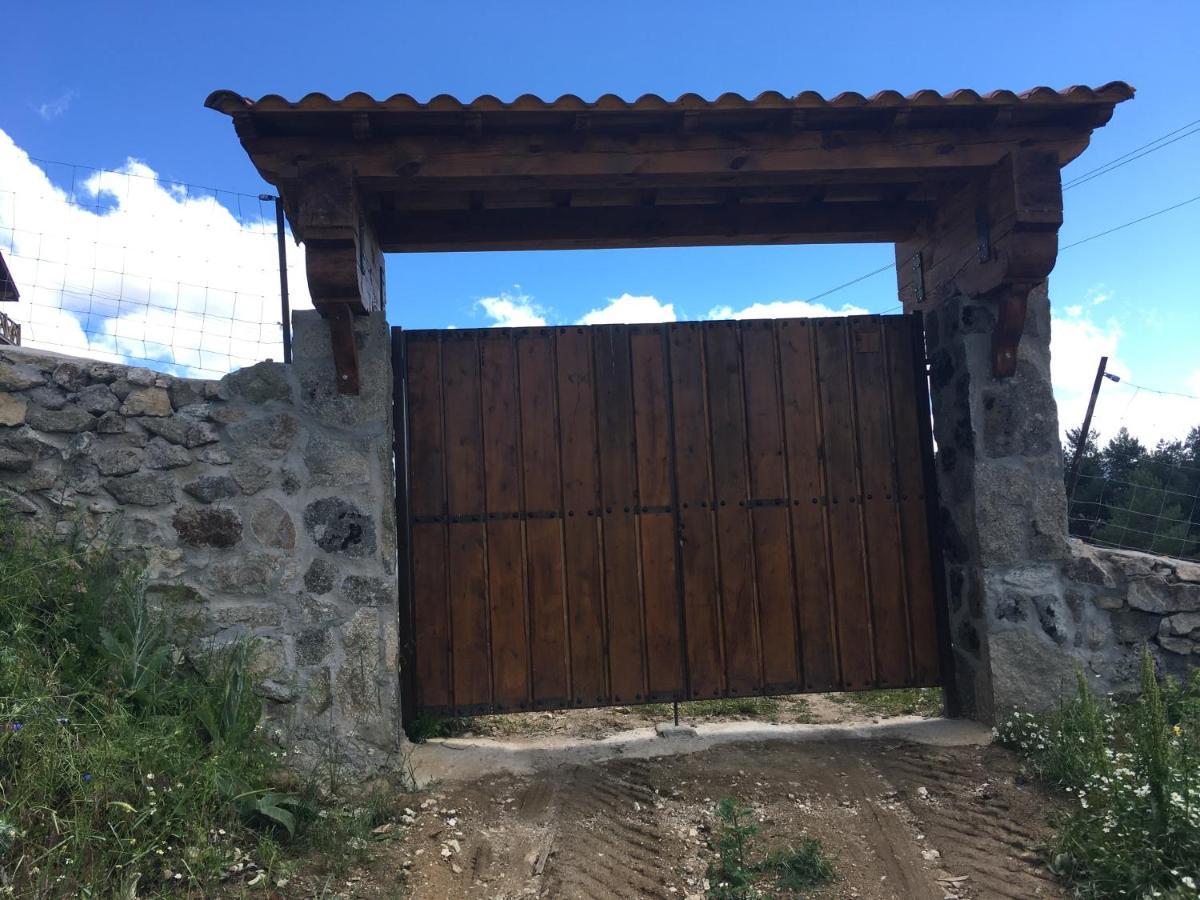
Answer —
(735, 873)
(1132, 775)
(725, 707)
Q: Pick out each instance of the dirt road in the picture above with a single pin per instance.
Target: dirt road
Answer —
(899, 820)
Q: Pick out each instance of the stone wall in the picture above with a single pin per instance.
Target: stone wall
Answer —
(260, 505)
(1027, 605)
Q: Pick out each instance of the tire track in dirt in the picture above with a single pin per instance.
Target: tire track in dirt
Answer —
(969, 813)
(608, 842)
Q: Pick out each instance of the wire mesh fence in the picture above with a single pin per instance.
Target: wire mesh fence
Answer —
(128, 266)
(1129, 495)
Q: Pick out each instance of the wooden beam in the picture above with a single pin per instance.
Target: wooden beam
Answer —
(580, 158)
(647, 226)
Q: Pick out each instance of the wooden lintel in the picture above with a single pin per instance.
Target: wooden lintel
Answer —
(360, 126)
(345, 352)
(577, 227)
(584, 156)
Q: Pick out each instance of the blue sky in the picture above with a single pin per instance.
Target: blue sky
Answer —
(97, 84)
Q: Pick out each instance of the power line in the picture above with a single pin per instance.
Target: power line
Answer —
(1131, 222)
(1131, 155)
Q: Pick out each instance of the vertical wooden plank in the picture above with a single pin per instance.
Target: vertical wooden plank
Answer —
(618, 501)
(427, 501)
(697, 550)
(406, 635)
(806, 486)
(467, 535)
(581, 527)
(910, 495)
(656, 519)
(884, 564)
(505, 542)
(735, 547)
(549, 663)
(845, 525)
(769, 514)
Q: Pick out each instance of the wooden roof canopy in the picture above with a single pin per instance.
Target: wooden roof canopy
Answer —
(966, 185)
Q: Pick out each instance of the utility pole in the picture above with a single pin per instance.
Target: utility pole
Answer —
(1081, 442)
(283, 285)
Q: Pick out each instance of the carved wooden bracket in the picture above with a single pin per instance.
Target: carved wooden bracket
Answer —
(997, 238)
(343, 259)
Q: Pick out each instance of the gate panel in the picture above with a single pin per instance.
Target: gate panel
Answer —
(620, 514)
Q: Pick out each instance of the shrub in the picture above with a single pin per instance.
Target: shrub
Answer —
(1132, 825)
(124, 769)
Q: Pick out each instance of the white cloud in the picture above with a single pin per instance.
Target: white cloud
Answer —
(1077, 343)
(133, 267)
(630, 308)
(784, 309)
(52, 109)
(514, 310)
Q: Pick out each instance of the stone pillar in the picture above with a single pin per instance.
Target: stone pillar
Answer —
(355, 575)
(1003, 504)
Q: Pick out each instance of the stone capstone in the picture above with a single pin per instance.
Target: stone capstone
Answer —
(70, 419)
(19, 377)
(210, 488)
(141, 377)
(149, 401)
(208, 526)
(70, 376)
(338, 526)
(97, 398)
(12, 409)
(259, 383)
(118, 460)
(142, 489)
(320, 576)
(271, 524)
(185, 393)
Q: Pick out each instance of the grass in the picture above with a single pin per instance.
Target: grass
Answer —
(1131, 776)
(896, 701)
(727, 707)
(127, 770)
(737, 873)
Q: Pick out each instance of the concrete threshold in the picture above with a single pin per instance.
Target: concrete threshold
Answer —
(465, 759)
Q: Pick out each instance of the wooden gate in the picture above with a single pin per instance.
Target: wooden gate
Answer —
(630, 513)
